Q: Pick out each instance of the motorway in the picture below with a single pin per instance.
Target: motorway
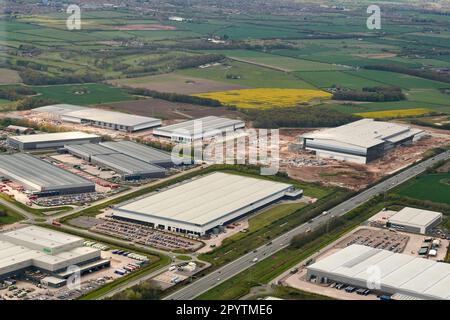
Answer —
(231, 269)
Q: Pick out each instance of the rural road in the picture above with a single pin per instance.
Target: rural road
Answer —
(231, 269)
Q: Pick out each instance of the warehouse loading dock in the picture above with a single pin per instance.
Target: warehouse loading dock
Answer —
(129, 168)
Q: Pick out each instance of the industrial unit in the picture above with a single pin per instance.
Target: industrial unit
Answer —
(198, 129)
(100, 118)
(202, 204)
(86, 151)
(360, 141)
(415, 220)
(128, 167)
(145, 153)
(41, 177)
(45, 250)
(51, 140)
(398, 273)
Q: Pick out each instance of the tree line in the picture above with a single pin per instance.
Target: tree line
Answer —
(421, 73)
(307, 117)
(174, 97)
(370, 94)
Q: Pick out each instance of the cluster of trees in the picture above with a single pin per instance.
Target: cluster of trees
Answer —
(419, 122)
(15, 93)
(308, 117)
(144, 291)
(426, 74)
(33, 77)
(372, 94)
(33, 102)
(175, 97)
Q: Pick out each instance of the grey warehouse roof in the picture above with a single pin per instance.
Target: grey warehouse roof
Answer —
(89, 149)
(402, 273)
(139, 151)
(415, 217)
(37, 173)
(364, 133)
(203, 199)
(125, 164)
(207, 124)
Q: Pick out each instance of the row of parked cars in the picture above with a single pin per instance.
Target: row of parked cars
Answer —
(350, 289)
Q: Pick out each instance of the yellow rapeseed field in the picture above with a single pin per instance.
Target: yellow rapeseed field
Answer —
(265, 97)
(394, 113)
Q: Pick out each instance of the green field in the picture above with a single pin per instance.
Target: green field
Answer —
(249, 76)
(432, 187)
(275, 61)
(85, 94)
(10, 217)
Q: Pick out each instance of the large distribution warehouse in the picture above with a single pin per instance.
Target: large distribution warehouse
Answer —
(41, 177)
(144, 153)
(202, 204)
(360, 141)
(130, 168)
(398, 273)
(100, 118)
(51, 140)
(415, 220)
(44, 249)
(198, 129)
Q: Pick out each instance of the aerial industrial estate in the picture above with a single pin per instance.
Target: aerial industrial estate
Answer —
(252, 150)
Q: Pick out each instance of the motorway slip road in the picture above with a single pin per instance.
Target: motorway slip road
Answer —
(231, 269)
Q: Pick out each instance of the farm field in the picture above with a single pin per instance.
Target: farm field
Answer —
(281, 63)
(176, 83)
(394, 113)
(266, 97)
(247, 75)
(432, 187)
(168, 110)
(8, 76)
(86, 94)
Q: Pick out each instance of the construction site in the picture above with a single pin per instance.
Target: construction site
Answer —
(304, 165)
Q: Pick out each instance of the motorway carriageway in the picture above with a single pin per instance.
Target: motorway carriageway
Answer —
(231, 269)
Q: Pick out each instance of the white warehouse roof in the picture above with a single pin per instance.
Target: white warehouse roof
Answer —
(415, 217)
(365, 133)
(202, 200)
(73, 113)
(58, 136)
(200, 128)
(400, 273)
(43, 248)
(120, 118)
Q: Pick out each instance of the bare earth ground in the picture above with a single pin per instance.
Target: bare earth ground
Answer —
(9, 76)
(169, 110)
(350, 175)
(176, 83)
